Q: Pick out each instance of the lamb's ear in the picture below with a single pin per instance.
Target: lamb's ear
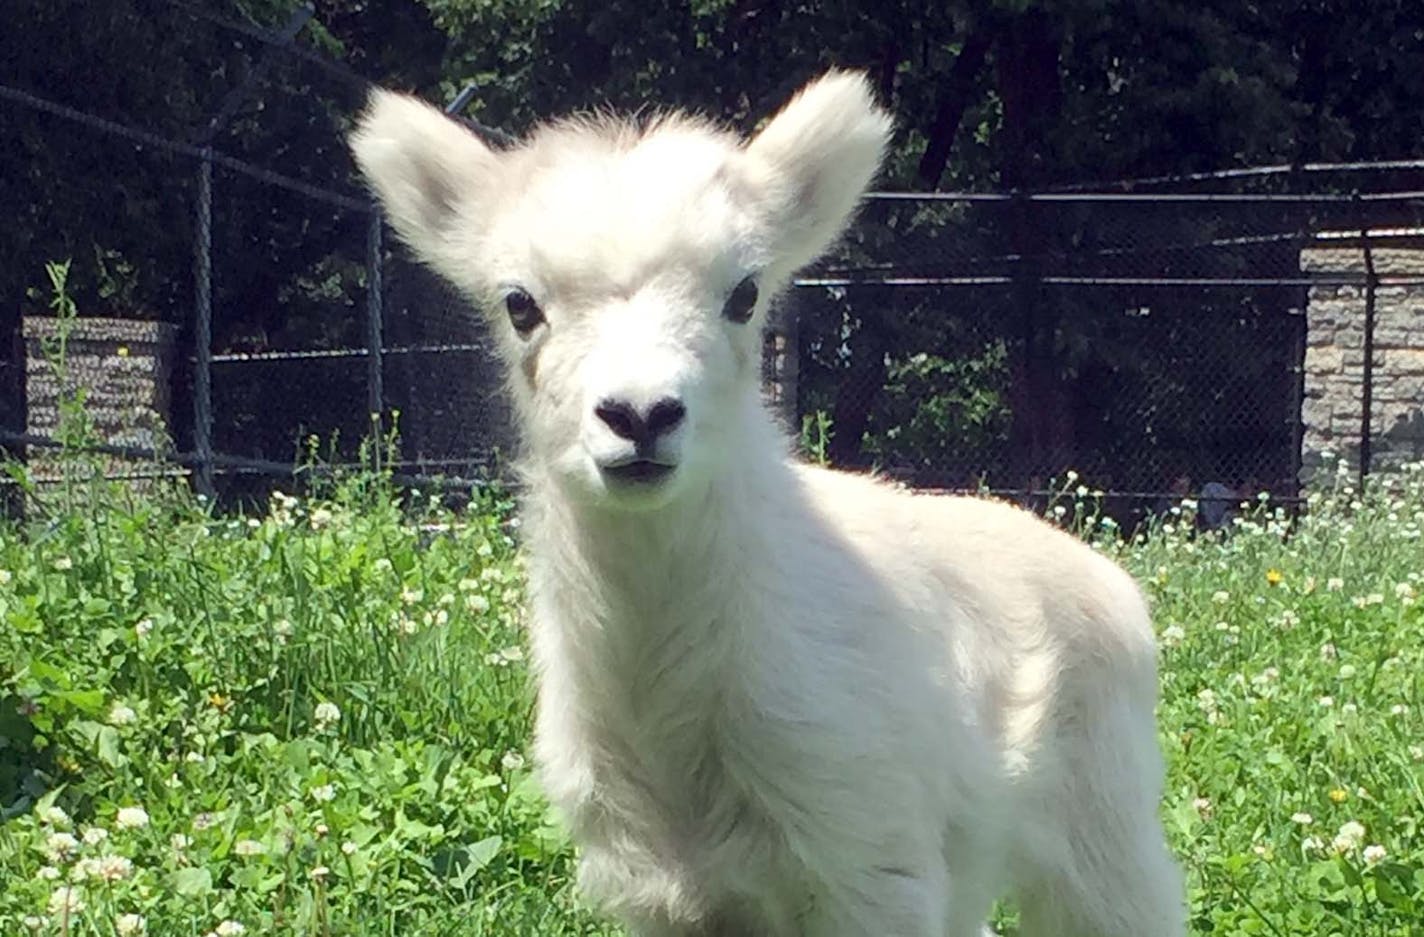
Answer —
(813, 161)
(423, 167)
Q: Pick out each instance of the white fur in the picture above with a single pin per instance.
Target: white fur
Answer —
(776, 700)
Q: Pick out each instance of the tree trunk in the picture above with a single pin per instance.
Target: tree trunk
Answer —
(1028, 84)
(955, 95)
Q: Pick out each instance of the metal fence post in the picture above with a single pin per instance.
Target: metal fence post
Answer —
(203, 327)
(375, 390)
(1367, 390)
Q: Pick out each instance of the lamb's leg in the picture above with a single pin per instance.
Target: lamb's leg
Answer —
(1113, 876)
(883, 902)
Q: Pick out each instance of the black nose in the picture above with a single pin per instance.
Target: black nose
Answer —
(641, 428)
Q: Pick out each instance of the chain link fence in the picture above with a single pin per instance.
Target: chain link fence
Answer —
(1158, 338)
(1155, 343)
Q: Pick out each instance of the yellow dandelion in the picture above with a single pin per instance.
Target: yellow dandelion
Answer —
(1338, 795)
(1274, 577)
(219, 702)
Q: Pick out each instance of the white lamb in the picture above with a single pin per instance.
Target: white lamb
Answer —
(774, 700)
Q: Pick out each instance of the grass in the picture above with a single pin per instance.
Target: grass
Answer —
(314, 720)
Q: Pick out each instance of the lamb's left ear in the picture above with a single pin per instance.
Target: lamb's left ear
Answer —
(426, 170)
(813, 161)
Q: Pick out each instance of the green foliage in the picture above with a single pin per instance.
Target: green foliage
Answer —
(941, 411)
(321, 711)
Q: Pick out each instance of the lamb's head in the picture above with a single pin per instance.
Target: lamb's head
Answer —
(627, 267)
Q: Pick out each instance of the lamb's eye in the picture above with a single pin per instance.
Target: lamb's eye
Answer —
(742, 301)
(524, 312)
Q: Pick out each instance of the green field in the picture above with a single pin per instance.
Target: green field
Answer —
(314, 719)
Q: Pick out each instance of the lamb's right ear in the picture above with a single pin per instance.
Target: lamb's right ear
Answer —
(813, 161)
(424, 167)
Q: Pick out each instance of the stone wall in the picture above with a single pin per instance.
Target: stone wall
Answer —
(123, 365)
(1335, 359)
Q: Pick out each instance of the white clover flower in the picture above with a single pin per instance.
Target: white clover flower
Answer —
(282, 629)
(1326, 701)
(131, 925)
(411, 596)
(1416, 752)
(320, 518)
(512, 761)
(323, 793)
(320, 872)
(180, 841)
(1349, 838)
(60, 846)
(1302, 818)
(1173, 635)
(326, 714)
(248, 847)
(348, 848)
(34, 922)
(1202, 805)
(1269, 675)
(66, 901)
(1312, 844)
(1221, 597)
(95, 835)
(54, 816)
(1374, 854)
(131, 818)
(477, 604)
(1328, 651)
(63, 563)
(1404, 590)
(1398, 709)
(47, 873)
(204, 821)
(1334, 584)
(122, 715)
(230, 929)
(84, 868)
(143, 628)
(5, 577)
(114, 868)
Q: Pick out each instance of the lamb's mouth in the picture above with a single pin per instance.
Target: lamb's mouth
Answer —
(638, 472)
